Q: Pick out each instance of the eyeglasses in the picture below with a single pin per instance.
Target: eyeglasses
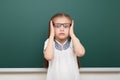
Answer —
(58, 25)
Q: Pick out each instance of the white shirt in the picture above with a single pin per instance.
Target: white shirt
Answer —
(64, 64)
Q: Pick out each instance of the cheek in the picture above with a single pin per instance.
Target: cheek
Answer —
(67, 32)
(56, 31)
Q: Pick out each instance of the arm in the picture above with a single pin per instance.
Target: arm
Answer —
(49, 50)
(77, 46)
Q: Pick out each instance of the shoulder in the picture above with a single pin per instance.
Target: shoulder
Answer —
(46, 40)
(45, 43)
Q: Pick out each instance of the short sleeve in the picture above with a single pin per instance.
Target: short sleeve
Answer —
(45, 44)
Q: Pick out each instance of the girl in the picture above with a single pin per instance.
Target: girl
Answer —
(62, 48)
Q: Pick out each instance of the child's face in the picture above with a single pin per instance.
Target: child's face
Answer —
(61, 27)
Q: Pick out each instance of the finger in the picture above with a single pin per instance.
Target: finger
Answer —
(72, 24)
(51, 23)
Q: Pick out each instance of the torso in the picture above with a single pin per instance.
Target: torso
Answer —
(64, 65)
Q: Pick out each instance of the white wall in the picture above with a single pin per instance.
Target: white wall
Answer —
(40, 74)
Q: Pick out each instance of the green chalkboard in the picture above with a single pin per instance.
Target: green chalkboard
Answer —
(24, 28)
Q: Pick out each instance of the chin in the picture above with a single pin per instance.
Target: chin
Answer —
(62, 38)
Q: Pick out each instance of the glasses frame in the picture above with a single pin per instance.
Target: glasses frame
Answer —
(58, 25)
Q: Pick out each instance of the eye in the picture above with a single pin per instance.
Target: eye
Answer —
(66, 25)
(57, 25)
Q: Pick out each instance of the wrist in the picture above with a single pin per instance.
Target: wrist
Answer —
(51, 37)
(72, 35)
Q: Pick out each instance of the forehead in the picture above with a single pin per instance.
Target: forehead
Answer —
(61, 20)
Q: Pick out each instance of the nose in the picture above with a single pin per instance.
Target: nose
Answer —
(61, 27)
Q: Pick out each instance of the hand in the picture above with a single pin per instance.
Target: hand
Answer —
(51, 29)
(71, 29)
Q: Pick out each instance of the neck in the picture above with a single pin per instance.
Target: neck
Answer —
(61, 40)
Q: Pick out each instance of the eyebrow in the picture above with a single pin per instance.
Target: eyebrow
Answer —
(61, 23)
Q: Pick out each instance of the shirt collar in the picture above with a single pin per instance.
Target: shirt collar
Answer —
(65, 45)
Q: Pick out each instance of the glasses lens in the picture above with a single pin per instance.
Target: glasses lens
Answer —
(66, 25)
(58, 25)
